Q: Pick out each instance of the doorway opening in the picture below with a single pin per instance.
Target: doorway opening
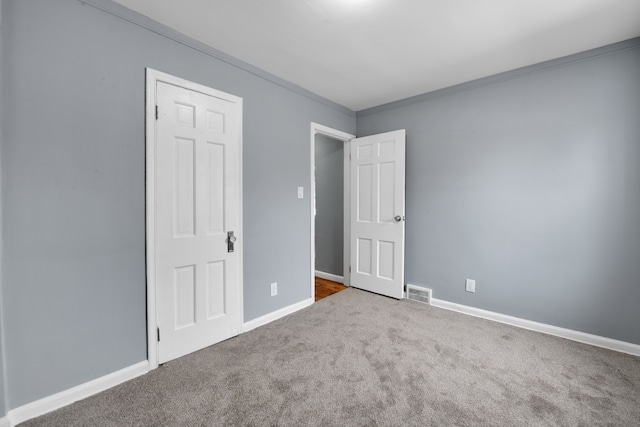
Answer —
(330, 205)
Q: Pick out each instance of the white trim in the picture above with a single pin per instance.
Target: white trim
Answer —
(570, 334)
(275, 315)
(329, 276)
(4, 422)
(318, 129)
(575, 58)
(67, 397)
(152, 77)
(150, 197)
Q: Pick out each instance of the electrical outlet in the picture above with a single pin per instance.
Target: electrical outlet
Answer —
(300, 192)
(470, 285)
(274, 289)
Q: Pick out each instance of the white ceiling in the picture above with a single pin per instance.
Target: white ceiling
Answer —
(364, 53)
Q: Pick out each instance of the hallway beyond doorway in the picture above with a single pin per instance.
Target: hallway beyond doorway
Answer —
(325, 287)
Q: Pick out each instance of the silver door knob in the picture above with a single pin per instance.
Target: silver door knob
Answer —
(231, 239)
(398, 218)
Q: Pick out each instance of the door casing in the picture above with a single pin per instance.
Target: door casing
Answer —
(318, 129)
(152, 77)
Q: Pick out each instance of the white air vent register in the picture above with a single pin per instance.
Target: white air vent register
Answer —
(418, 293)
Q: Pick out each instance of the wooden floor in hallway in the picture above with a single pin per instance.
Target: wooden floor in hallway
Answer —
(325, 287)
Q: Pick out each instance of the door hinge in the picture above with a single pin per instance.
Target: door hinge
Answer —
(349, 269)
(158, 334)
(156, 112)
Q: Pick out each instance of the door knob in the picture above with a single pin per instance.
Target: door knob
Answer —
(399, 218)
(231, 239)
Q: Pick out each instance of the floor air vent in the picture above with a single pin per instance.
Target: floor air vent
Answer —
(419, 294)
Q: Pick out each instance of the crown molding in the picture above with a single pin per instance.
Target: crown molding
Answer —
(507, 75)
(147, 23)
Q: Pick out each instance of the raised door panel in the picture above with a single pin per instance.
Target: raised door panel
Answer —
(183, 187)
(216, 287)
(215, 185)
(184, 282)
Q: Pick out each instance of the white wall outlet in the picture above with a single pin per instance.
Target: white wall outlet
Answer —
(300, 192)
(470, 285)
(274, 289)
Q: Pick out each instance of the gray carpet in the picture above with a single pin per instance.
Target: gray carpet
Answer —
(357, 358)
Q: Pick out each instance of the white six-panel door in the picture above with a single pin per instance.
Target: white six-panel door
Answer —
(197, 202)
(377, 213)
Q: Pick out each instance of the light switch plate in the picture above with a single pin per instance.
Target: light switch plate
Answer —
(300, 192)
(470, 285)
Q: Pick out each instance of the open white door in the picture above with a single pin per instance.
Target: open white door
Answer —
(377, 213)
(197, 195)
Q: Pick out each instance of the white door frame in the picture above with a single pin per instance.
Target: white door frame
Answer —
(318, 129)
(152, 78)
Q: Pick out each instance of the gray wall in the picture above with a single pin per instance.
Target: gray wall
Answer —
(529, 183)
(3, 410)
(73, 187)
(329, 160)
(2, 373)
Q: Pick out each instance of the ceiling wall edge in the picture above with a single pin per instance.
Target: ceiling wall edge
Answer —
(147, 23)
(630, 44)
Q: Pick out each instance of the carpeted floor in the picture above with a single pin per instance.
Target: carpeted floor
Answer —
(357, 358)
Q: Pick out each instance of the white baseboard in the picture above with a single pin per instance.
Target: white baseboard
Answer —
(595, 340)
(67, 397)
(268, 318)
(82, 391)
(329, 276)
